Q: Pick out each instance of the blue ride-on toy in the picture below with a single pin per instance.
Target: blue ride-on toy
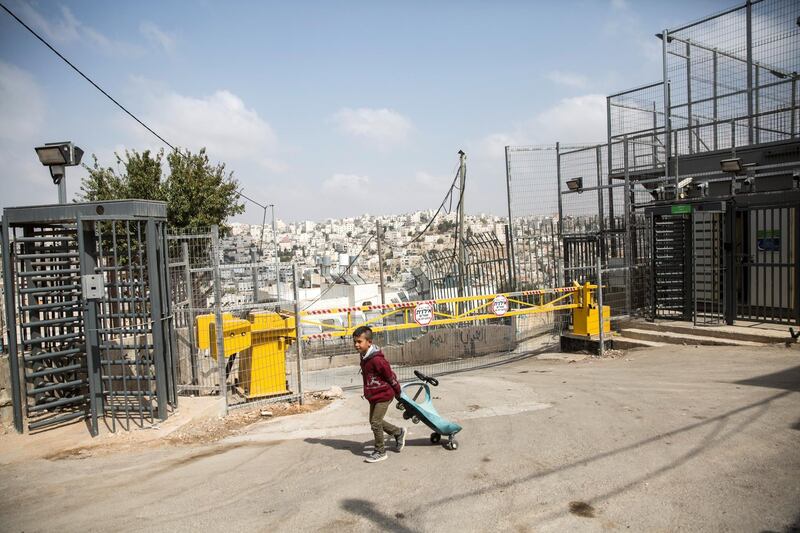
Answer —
(417, 410)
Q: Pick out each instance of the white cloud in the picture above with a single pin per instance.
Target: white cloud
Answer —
(67, 28)
(23, 180)
(22, 104)
(380, 126)
(567, 78)
(347, 184)
(220, 122)
(574, 120)
(157, 36)
(430, 181)
(494, 144)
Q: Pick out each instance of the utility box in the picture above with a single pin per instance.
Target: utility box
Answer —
(262, 371)
(585, 321)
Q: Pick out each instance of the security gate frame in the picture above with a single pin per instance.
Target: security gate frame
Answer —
(767, 249)
(88, 314)
(708, 267)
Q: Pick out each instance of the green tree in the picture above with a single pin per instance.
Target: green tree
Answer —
(197, 192)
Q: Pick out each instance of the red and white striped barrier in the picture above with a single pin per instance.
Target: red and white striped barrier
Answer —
(334, 310)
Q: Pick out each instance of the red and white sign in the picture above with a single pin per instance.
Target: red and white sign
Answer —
(423, 314)
(500, 305)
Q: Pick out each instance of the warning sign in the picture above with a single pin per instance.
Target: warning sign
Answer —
(500, 305)
(423, 314)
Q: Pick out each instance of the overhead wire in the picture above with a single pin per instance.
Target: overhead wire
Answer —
(449, 194)
(342, 275)
(105, 93)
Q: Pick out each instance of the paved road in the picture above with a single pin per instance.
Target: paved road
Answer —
(678, 438)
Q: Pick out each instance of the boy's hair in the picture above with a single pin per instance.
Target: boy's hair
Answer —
(363, 330)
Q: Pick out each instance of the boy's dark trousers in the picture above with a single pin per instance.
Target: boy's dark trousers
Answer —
(376, 413)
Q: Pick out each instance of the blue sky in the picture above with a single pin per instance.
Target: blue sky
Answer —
(326, 109)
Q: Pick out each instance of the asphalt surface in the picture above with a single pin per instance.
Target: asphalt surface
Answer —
(665, 439)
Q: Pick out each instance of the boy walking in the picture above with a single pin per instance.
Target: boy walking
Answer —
(380, 387)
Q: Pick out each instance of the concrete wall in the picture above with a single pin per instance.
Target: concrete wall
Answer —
(434, 346)
(449, 344)
(6, 409)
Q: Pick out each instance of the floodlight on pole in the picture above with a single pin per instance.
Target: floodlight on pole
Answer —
(732, 166)
(575, 184)
(58, 156)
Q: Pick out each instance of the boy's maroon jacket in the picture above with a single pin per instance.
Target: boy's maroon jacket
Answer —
(380, 382)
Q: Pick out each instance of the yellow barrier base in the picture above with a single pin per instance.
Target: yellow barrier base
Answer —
(585, 321)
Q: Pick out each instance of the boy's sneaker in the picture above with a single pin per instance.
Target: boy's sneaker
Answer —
(374, 457)
(400, 440)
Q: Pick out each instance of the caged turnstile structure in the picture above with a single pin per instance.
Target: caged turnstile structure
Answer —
(88, 314)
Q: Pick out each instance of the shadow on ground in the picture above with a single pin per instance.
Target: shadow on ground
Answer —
(788, 379)
(357, 447)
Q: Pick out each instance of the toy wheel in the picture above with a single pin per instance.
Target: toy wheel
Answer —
(400, 406)
(415, 419)
(407, 415)
(452, 445)
(435, 437)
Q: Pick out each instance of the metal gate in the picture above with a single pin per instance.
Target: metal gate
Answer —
(580, 258)
(87, 313)
(51, 333)
(671, 275)
(708, 264)
(134, 351)
(767, 269)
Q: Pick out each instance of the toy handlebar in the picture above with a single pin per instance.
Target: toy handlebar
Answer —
(426, 379)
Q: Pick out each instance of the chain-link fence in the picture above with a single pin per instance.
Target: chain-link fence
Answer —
(733, 77)
(235, 338)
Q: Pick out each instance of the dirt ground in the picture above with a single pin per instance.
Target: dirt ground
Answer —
(677, 438)
(194, 423)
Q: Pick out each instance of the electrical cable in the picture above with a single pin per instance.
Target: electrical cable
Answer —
(96, 86)
(433, 218)
(341, 276)
(87, 78)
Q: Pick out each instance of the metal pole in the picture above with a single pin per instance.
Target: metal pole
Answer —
(689, 97)
(749, 37)
(277, 260)
(379, 236)
(62, 188)
(187, 279)
(715, 115)
(628, 258)
(11, 325)
(263, 221)
(667, 110)
(510, 233)
(757, 105)
(608, 135)
(793, 121)
(220, 339)
(298, 334)
(601, 350)
(254, 273)
(600, 207)
(461, 250)
(156, 311)
(558, 188)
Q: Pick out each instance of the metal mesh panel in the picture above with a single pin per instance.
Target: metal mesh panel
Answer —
(712, 63)
(637, 116)
(135, 366)
(51, 324)
(533, 181)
